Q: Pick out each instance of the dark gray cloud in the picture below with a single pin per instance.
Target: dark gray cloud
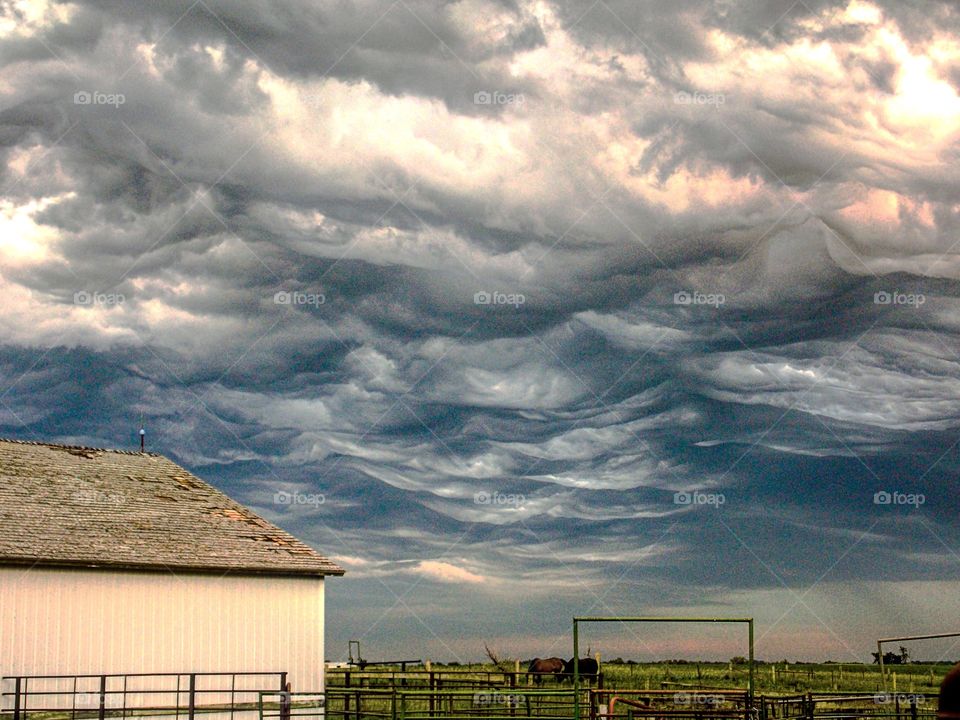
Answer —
(697, 249)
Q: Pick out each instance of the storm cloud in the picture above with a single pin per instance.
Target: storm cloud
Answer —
(532, 308)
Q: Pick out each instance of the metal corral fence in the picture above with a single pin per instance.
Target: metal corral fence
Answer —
(436, 679)
(847, 706)
(506, 703)
(669, 704)
(374, 704)
(89, 697)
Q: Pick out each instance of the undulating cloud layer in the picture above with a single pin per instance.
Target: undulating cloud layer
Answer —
(518, 309)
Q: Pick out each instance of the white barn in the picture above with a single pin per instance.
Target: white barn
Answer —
(124, 562)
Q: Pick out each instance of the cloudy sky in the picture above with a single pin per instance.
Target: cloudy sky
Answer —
(517, 309)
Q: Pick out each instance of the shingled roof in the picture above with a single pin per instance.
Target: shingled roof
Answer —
(87, 507)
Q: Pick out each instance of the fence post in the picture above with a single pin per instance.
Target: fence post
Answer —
(16, 699)
(285, 700)
(103, 697)
(191, 697)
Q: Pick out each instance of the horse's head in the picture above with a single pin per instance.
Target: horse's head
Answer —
(949, 704)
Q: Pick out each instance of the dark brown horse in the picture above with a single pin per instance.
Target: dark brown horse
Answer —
(588, 668)
(546, 666)
(949, 704)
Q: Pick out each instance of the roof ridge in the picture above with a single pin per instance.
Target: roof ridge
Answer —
(79, 447)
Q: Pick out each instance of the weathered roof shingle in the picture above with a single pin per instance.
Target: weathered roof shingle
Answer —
(87, 507)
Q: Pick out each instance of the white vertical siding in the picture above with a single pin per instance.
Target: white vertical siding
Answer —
(57, 622)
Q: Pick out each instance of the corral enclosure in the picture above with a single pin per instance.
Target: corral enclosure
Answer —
(775, 678)
(624, 691)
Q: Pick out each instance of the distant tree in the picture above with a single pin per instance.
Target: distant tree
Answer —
(495, 658)
(738, 660)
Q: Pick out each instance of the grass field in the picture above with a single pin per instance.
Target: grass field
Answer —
(777, 678)
(769, 678)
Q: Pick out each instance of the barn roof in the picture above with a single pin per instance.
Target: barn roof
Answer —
(88, 507)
